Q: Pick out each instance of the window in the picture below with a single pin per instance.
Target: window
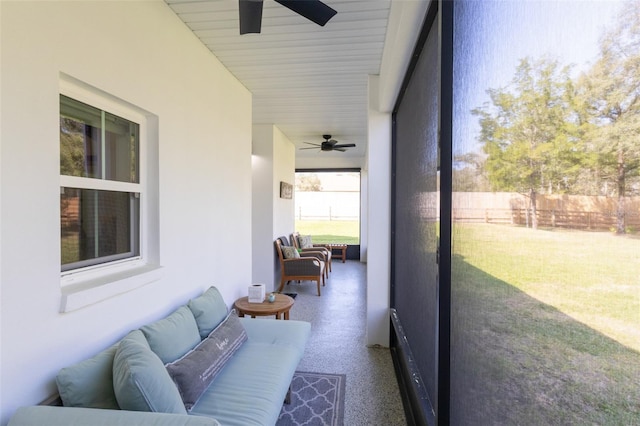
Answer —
(109, 195)
(100, 187)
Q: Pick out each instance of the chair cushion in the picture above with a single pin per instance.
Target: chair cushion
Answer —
(290, 252)
(89, 383)
(173, 336)
(305, 241)
(194, 372)
(140, 380)
(208, 310)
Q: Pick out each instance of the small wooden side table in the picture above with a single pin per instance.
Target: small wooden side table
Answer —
(280, 307)
(341, 247)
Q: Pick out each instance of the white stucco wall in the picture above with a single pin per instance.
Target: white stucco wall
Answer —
(379, 220)
(139, 52)
(262, 207)
(284, 156)
(273, 162)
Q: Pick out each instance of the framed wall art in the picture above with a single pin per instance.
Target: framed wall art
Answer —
(286, 190)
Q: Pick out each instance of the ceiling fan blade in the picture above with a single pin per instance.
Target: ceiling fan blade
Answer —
(345, 145)
(339, 149)
(332, 142)
(314, 147)
(250, 16)
(311, 143)
(313, 10)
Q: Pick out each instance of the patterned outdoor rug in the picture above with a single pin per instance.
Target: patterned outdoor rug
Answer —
(316, 399)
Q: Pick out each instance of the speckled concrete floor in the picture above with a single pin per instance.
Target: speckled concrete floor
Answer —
(337, 345)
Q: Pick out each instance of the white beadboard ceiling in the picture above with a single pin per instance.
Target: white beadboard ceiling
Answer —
(305, 79)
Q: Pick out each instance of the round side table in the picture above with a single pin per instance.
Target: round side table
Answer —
(280, 307)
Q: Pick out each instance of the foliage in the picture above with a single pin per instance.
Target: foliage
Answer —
(610, 96)
(469, 173)
(71, 147)
(546, 133)
(308, 182)
(527, 132)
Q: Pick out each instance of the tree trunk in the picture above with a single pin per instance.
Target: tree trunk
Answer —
(534, 211)
(620, 219)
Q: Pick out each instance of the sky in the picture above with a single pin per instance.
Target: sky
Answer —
(492, 36)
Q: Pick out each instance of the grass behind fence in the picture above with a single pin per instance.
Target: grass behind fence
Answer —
(330, 231)
(550, 322)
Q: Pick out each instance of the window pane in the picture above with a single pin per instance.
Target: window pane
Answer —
(545, 316)
(327, 206)
(80, 139)
(97, 144)
(97, 226)
(121, 149)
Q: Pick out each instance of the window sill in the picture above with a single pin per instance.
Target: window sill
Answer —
(89, 291)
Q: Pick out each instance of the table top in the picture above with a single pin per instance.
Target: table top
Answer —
(336, 245)
(282, 303)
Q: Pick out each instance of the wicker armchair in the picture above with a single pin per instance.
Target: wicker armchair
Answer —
(295, 240)
(308, 267)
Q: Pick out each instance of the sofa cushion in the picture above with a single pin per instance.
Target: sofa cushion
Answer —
(277, 333)
(89, 383)
(195, 371)
(208, 310)
(173, 336)
(252, 386)
(290, 252)
(74, 416)
(140, 380)
(305, 241)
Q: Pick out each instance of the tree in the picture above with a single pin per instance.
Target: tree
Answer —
(610, 92)
(71, 147)
(308, 182)
(469, 173)
(528, 132)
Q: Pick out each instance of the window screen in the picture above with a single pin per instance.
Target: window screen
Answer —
(545, 314)
(415, 163)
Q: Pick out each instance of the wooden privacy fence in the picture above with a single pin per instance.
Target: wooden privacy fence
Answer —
(547, 218)
(554, 211)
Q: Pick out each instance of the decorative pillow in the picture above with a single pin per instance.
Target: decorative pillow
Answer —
(140, 380)
(89, 383)
(173, 336)
(305, 241)
(195, 371)
(208, 310)
(290, 252)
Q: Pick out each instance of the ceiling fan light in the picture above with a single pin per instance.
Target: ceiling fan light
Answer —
(330, 145)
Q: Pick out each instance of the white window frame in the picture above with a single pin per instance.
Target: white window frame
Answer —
(87, 285)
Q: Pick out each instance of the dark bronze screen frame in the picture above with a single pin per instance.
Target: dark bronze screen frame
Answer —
(418, 406)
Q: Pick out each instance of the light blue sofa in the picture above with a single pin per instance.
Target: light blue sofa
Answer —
(199, 366)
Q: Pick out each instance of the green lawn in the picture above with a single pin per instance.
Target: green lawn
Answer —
(326, 231)
(550, 322)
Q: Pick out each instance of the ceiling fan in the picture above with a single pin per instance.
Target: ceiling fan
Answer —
(313, 10)
(330, 145)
